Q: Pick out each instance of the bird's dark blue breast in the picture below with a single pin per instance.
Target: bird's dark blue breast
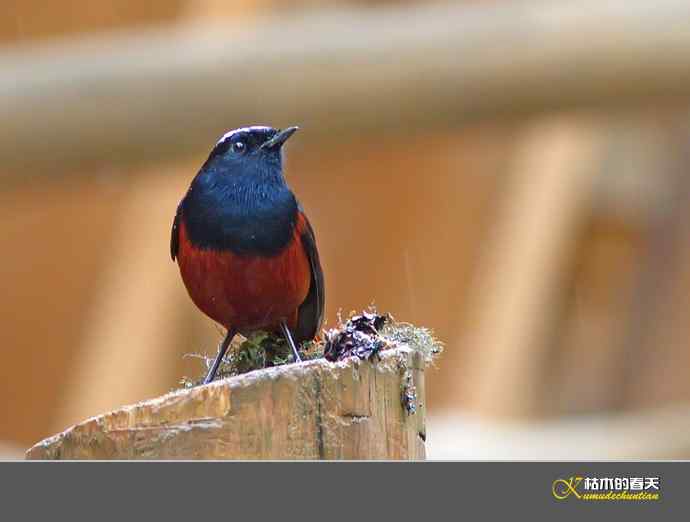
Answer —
(240, 215)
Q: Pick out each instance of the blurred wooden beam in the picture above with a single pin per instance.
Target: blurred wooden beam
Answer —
(158, 93)
(658, 330)
(129, 348)
(547, 198)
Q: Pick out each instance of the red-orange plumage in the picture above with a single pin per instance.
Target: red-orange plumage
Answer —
(247, 292)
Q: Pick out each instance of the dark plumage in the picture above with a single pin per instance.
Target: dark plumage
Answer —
(246, 251)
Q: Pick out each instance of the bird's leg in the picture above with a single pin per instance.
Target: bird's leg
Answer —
(221, 352)
(290, 341)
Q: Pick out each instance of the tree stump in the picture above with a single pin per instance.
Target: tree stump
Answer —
(351, 409)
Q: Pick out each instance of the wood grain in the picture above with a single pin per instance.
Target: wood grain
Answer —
(314, 410)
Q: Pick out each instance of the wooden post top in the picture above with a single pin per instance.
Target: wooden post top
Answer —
(350, 409)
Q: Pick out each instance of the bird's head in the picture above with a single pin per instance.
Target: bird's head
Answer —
(249, 151)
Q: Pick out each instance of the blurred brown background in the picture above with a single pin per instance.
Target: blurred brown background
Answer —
(540, 229)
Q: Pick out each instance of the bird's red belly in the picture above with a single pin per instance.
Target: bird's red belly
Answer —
(246, 292)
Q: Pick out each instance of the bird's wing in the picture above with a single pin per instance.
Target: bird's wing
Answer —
(310, 314)
(175, 234)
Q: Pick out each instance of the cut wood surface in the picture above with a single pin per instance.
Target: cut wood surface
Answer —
(350, 409)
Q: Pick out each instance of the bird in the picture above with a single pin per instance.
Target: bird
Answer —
(245, 249)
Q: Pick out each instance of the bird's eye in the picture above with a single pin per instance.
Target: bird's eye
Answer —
(238, 147)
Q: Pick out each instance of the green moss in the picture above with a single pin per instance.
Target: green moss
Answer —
(264, 350)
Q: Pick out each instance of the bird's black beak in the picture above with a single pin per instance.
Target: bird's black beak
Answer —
(281, 137)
